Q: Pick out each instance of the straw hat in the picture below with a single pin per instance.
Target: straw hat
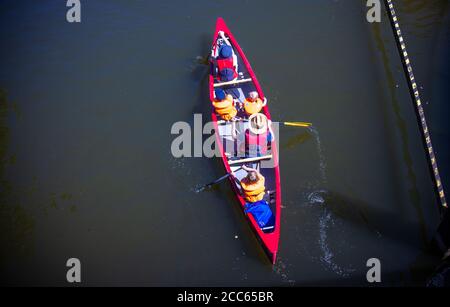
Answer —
(258, 123)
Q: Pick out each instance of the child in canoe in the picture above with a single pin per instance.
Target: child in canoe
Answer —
(253, 104)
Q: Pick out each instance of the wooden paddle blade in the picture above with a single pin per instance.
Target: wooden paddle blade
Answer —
(298, 124)
(213, 183)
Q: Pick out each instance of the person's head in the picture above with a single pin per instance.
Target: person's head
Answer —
(252, 176)
(258, 123)
(220, 94)
(253, 95)
(225, 52)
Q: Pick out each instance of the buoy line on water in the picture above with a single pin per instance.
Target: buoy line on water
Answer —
(414, 91)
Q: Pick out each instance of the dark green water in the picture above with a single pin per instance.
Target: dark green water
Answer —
(87, 172)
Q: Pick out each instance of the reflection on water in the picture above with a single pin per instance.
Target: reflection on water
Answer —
(16, 224)
(428, 14)
(296, 140)
(4, 130)
(327, 219)
(403, 130)
(315, 196)
(16, 232)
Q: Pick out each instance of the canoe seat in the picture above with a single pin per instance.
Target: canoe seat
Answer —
(237, 93)
(270, 227)
(237, 81)
(246, 160)
(266, 229)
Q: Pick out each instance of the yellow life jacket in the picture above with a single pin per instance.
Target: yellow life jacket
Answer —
(229, 115)
(254, 199)
(252, 107)
(225, 108)
(227, 102)
(254, 191)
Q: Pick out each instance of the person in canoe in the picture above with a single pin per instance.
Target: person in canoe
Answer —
(225, 66)
(253, 190)
(253, 104)
(253, 185)
(258, 137)
(224, 106)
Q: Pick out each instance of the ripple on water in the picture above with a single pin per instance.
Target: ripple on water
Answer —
(316, 197)
(281, 269)
(328, 258)
(320, 153)
(183, 173)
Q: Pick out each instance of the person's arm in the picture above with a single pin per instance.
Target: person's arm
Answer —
(264, 102)
(235, 61)
(269, 124)
(236, 180)
(233, 130)
(249, 169)
(215, 51)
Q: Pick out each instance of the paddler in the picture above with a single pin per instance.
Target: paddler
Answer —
(226, 66)
(253, 104)
(259, 136)
(224, 105)
(253, 185)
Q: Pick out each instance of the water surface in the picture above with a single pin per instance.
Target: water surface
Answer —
(87, 170)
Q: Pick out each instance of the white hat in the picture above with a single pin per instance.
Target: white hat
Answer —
(258, 123)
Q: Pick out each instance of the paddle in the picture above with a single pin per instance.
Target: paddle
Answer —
(294, 124)
(297, 124)
(214, 182)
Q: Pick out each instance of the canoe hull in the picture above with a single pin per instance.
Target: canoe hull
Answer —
(269, 240)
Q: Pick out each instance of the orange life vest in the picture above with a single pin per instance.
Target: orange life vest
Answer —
(258, 143)
(225, 108)
(254, 191)
(252, 107)
(226, 63)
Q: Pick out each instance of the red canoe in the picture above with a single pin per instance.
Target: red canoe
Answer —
(246, 82)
